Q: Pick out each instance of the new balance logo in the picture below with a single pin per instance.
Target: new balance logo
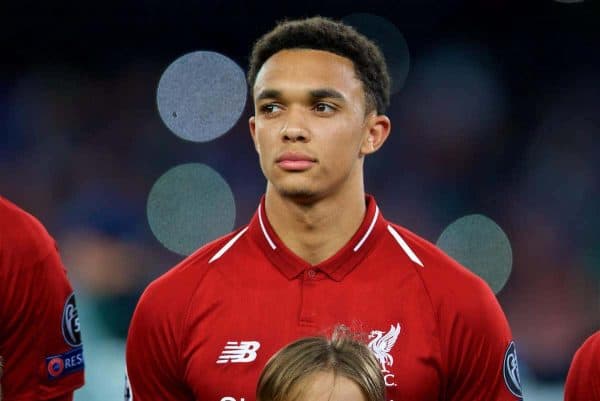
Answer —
(242, 352)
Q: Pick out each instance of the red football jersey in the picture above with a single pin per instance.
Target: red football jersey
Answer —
(583, 380)
(205, 329)
(40, 339)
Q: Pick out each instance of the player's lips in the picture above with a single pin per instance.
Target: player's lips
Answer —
(295, 161)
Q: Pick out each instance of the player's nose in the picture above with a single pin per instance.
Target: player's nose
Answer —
(294, 134)
(294, 128)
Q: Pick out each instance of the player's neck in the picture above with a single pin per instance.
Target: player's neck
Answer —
(317, 230)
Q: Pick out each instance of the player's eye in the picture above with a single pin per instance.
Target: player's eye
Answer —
(269, 108)
(324, 108)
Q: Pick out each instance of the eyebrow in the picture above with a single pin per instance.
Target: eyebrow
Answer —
(315, 94)
(269, 94)
(326, 93)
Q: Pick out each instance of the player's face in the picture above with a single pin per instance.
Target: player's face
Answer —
(310, 128)
(324, 386)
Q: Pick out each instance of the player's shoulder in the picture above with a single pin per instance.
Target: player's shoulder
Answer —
(591, 347)
(166, 301)
(185, 277)
(583, 379)
(435, 263)
(443, 276)
(22, 234)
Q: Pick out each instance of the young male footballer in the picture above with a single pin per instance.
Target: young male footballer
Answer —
(318, 252)
(40, 339)
(583, 380)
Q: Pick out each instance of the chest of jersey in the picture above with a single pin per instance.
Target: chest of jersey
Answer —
(238, 321)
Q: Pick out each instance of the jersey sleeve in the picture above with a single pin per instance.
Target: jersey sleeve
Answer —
(481, 356)
(154, 369)
(40, 339)
(583, 380)
(42, 352)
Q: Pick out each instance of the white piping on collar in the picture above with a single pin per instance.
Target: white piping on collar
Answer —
(227, 246)
(262, 226)
(409, 252)
(364, 238)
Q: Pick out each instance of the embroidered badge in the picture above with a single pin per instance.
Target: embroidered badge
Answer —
(63, 364)
(70, 323)
(511, 371)
(381, 345)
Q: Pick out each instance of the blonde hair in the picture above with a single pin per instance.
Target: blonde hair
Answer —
(344, 355)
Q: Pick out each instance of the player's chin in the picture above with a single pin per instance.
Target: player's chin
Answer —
(300, 193)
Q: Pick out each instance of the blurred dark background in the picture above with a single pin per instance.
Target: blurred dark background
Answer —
(499, 115)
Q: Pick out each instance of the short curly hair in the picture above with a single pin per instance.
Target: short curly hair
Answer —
(319, 33)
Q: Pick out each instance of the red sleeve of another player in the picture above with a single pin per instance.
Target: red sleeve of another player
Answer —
(61, 363)
(583, 381)
(153, 368)
(481, 356)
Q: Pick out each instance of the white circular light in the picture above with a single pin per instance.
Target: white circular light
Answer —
(201, 95)
(479, 244)
(188, 206)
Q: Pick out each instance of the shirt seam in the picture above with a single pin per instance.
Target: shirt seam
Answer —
(438, 325)
(184, 324)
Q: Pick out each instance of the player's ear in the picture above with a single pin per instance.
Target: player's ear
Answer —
(377, 129)
(252, 126)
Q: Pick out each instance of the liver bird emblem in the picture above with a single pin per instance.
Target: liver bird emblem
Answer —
(381, 345)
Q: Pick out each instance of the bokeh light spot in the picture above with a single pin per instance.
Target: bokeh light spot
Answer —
(391, 42)
(201, 95)
(479, 244)
(188, 206)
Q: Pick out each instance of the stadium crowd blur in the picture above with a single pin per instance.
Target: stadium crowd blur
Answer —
(499, 115)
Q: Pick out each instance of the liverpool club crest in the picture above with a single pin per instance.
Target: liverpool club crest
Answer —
(381, 344)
